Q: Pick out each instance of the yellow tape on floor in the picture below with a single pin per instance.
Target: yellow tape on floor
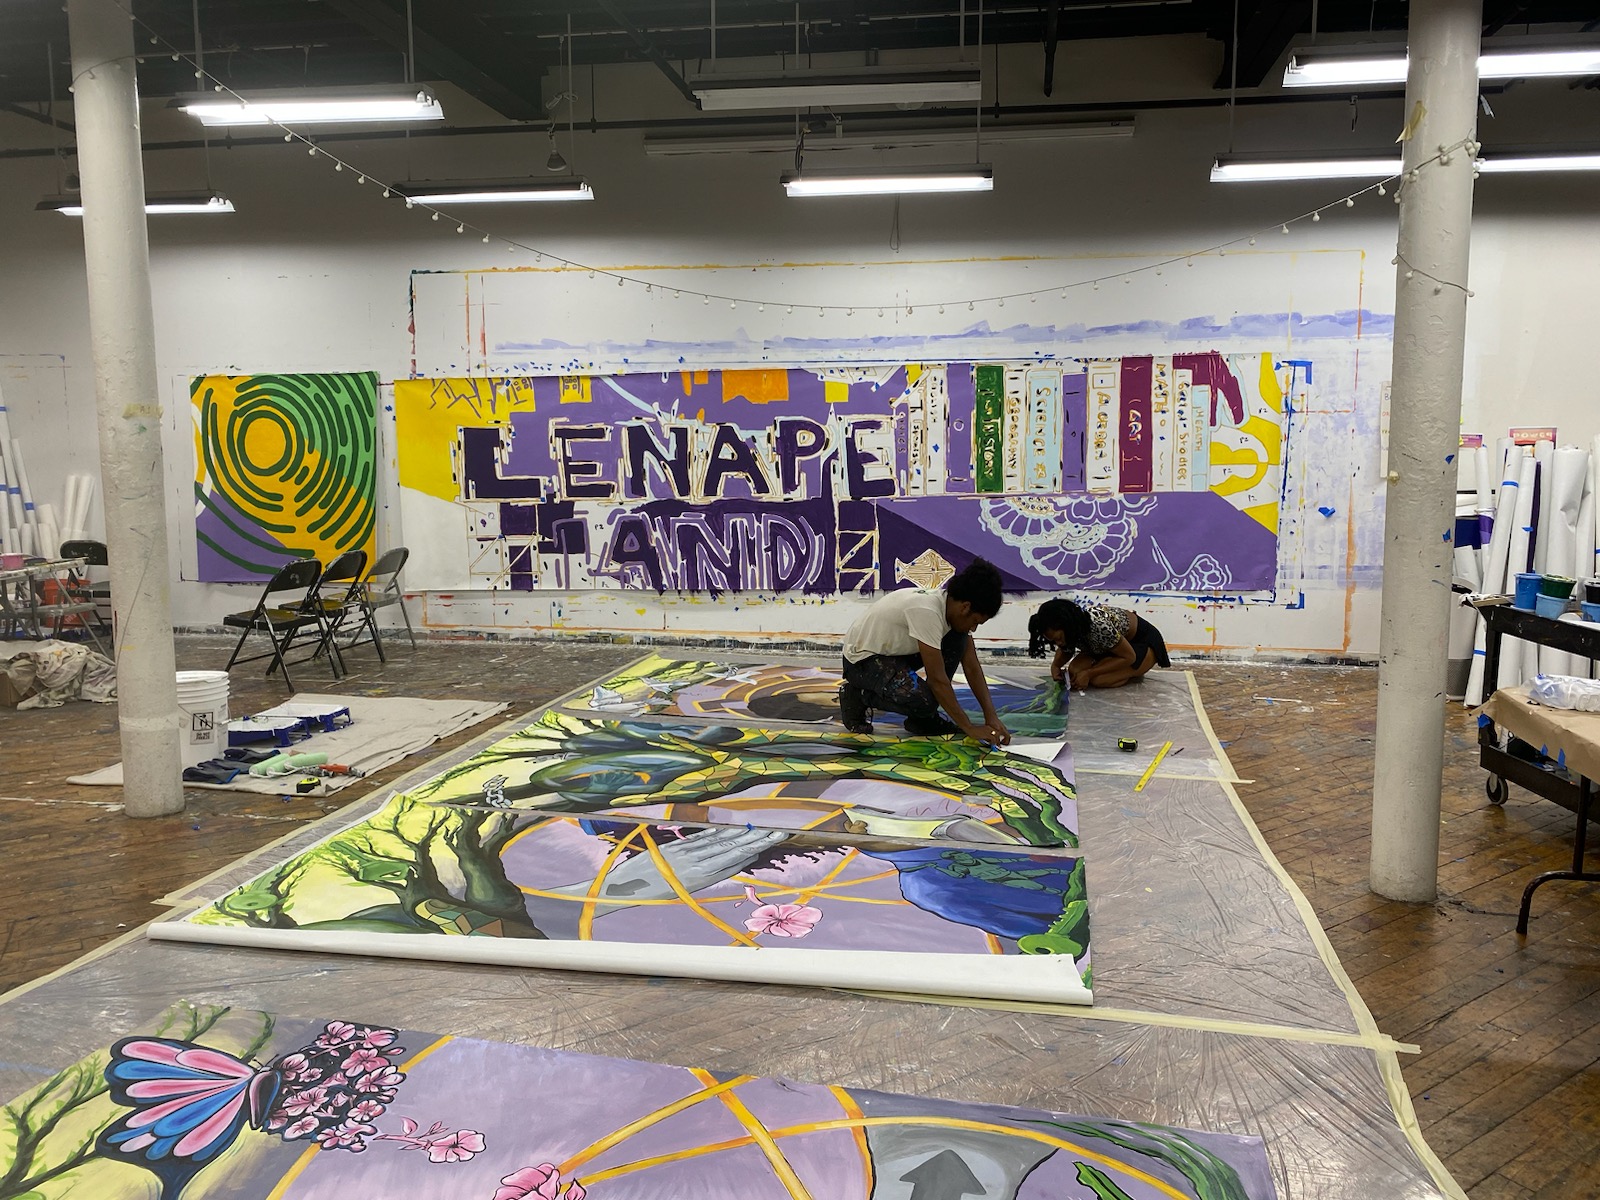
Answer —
(1388, 1064)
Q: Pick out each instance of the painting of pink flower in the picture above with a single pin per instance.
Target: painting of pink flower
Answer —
(300, 1128)
(362, 1061)
(336, 1033)
(538, 1183)
(781, 920)
(455, 1147)
(304, 1102)
(375, 1039)
(366, 1110)
(350, 1136)
(380, 1080)
(296, 1067)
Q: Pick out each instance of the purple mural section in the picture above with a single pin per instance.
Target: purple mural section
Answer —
(854, 480)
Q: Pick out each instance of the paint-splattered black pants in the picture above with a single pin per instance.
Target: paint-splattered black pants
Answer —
(890, 682)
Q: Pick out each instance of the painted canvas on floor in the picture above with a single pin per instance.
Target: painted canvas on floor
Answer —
(741, 902)
(755, 693)
(220, 1103)
(285, 468)
(947, 788)
(1138, 473)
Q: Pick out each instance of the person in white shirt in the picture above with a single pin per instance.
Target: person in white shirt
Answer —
(916, 630)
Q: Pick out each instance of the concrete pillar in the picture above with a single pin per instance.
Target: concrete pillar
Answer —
(1425, 419)
(122, 339)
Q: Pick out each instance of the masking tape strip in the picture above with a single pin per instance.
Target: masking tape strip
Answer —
(1139, 1016)
(1388, 1063)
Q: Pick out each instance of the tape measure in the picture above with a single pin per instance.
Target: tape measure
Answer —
(1127, 745)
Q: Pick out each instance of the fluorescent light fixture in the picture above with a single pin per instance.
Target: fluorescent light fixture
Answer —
(204, 202)
(313, 106)
(888, 139)
(497, 191)
(1512, 163)
(889, 181)
(1242, 169)
(1350, 66)
(1526, 64)
(1356, 66)
(954, 83)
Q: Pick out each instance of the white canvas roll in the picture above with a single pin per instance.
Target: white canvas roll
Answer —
(86, 503)
(1494, 575)
(1486, 477)
(1594, 490)
(1544, 453)
(1513, 651)
(1587, 540)
(1475, 694)
(1569, 478)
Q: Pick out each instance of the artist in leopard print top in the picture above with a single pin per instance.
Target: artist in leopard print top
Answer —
(1096, 645)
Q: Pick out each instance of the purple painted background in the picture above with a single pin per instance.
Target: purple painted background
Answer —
(789, 480)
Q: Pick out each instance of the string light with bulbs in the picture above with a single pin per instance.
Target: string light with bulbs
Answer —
(1155, 267)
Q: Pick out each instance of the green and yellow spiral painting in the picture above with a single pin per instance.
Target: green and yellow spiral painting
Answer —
(285, 468)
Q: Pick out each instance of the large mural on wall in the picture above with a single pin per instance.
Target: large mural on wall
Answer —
(1123, 474)
(285, 468)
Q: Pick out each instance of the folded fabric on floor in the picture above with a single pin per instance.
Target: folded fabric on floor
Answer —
(47, 674)
(383, 730)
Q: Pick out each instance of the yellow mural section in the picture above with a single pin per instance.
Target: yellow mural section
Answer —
(429, 412)
(1254, 466)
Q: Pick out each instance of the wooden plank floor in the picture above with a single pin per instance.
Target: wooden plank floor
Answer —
(1507, 1086)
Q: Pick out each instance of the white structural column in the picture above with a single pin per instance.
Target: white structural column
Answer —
(1418, 536)
(122, 340)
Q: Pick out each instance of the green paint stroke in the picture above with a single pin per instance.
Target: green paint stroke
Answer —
(988, 439)
(1098, 1182)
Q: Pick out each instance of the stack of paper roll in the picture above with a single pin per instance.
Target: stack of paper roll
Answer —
(21, 533)
(80, 504)
(1560, 507)
(1514, 464)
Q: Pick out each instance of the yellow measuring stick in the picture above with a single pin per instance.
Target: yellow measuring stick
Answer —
(1151, 769)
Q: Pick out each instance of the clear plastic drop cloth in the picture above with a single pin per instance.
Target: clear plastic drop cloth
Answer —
(1321, 1110)
(1196, 934)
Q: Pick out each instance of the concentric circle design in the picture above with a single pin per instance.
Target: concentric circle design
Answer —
(286, 467)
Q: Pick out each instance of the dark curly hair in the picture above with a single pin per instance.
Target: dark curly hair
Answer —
(1057, 614)
(978, 583)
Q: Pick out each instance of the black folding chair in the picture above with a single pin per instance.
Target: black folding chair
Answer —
(379, 590)
(338, 596)
(283, 619)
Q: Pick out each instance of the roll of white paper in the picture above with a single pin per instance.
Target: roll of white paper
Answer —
(1544, 453)
(1513, 651)
(1487, 477)
(1475, 694)
(1494, 576)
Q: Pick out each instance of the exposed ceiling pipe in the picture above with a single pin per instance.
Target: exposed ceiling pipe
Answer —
(650, 51)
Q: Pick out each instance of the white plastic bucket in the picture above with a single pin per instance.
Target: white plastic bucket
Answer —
(203, 704)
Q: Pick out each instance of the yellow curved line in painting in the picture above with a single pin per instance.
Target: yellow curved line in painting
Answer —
(864, 1123)
(858, 1135)
(682, 893)
(621, 1134)
(781, 1166)
(586, 921)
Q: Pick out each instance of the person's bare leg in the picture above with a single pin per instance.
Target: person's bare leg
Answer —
(1111, 672)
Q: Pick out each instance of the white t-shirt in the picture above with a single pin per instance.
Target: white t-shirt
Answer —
(896, 623)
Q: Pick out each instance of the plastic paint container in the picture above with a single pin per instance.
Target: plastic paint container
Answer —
(1591, 591)
(203, 704)
(1551, 606)
(1557, 585)
(1527, 590)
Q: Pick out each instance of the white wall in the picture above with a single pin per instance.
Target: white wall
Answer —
(315, 273)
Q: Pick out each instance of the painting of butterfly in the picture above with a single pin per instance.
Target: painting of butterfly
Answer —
(190, 1102)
